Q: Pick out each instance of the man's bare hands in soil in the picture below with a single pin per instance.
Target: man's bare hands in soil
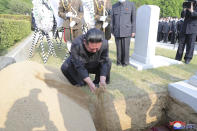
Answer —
(90, 84)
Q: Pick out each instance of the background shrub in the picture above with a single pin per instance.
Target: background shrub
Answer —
(12, 31)
(16, 17)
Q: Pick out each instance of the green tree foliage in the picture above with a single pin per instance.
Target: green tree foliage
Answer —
(4, 6)
(168, 7)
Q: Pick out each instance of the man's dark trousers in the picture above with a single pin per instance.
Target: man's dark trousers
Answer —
(72, 75)
(159, 36)
(122, 47)
(165, 37)
(189, 41)
(173, 38)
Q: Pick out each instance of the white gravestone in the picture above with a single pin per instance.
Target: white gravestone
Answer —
(185, 91)
(193, 80)
(145, 41)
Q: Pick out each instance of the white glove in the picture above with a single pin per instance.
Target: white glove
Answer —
(72, 24)
(69, 44)
(105, 24)
(103, 18)
(69, 14)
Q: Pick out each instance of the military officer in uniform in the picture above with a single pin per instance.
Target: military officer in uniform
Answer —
(89, 54)
(123, 28)
(72, 12)
(103, 19)
(188, 32)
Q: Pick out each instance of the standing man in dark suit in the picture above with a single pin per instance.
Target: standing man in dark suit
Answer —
(174, 31)
(179, 28)
(160, 27)
(188, 32)
(166, 29)
(123, 28)
(170, 28)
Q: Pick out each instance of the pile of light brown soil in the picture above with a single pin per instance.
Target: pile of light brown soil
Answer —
(35, 97)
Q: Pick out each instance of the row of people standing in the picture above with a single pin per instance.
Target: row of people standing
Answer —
(119, 20)
(169, 30)
(75, 20)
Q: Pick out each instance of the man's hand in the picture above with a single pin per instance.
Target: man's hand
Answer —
(192, 7)
(103, 18)
(102, 81)
(90, 84)
(72, 24)
(69, 14)
(92, 87)
(133, 35)
(105, 24)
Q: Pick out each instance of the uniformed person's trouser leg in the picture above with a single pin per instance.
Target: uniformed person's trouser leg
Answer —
(118, 41)
(67, 34)
(191, 38)
(125, 51)
(122, 47)
(71, 74)
(181, 47)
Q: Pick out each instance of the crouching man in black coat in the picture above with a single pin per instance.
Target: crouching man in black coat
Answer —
(89, 54)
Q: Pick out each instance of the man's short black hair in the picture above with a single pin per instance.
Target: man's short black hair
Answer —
(94, 35)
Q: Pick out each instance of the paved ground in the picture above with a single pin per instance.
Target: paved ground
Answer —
(169, 46)
(172, 46)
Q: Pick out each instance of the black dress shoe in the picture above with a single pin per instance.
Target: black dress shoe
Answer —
(178, 59)
(118, 64)
(187, 61)
(124, 65)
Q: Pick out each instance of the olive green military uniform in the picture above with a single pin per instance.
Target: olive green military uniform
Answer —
(98, 24)
(65, 8)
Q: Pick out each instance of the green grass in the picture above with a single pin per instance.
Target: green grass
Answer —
(128, 82)
(52, 61)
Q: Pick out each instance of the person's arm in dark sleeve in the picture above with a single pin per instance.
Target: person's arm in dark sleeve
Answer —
(112, 21)
(194, 14)
(133, 18)
(104, 61)
(183, 13)
(76, 60)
